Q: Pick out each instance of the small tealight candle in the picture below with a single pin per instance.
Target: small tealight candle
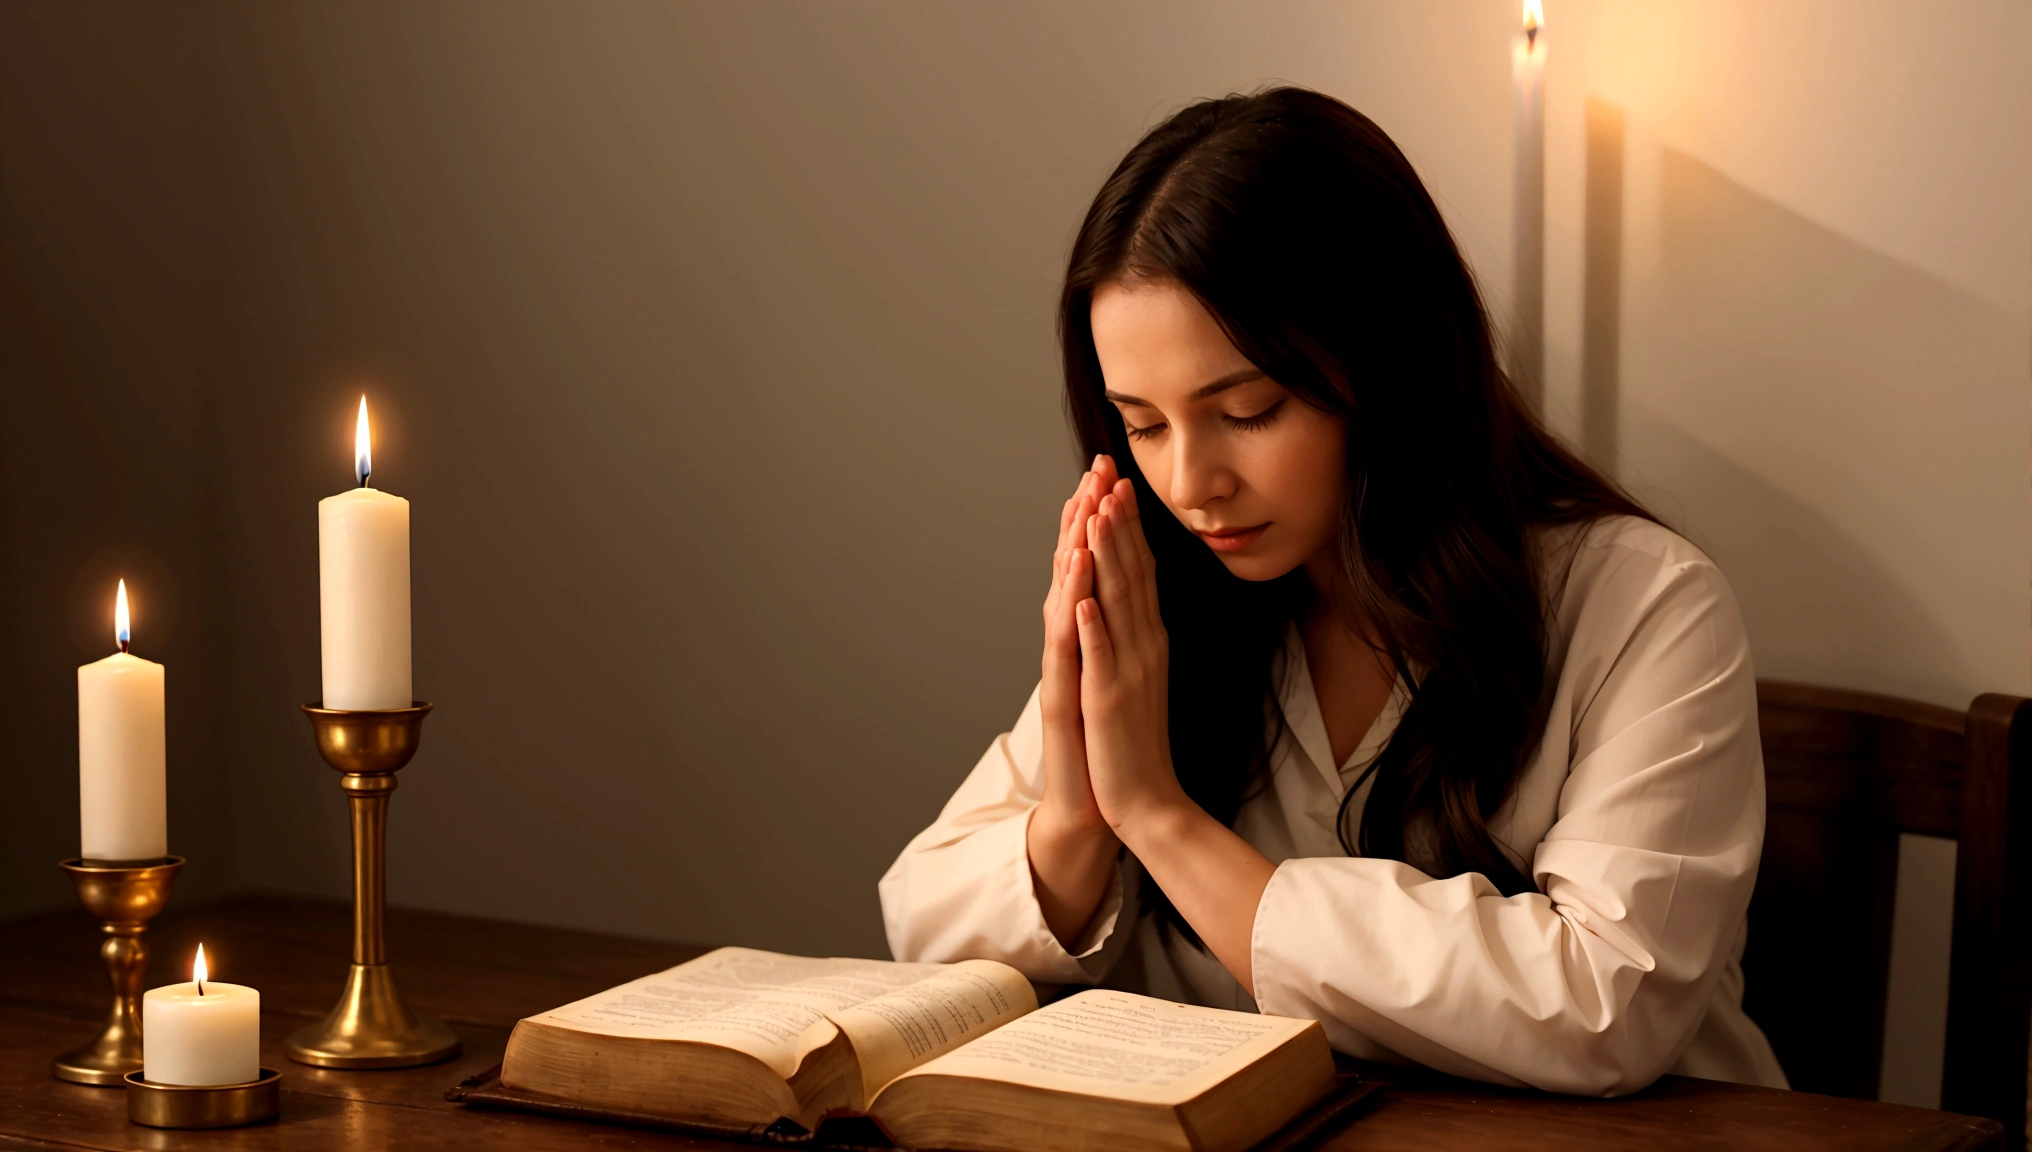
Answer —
(201, 1033)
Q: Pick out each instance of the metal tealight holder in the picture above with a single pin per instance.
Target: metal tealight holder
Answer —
(204, 1105)
(370, 1027)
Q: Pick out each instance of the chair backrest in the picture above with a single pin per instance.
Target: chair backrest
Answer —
(1845, 773)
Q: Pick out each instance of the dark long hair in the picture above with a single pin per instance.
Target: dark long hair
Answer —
(1309, 238)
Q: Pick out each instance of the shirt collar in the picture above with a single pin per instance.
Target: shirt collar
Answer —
(1299, 702)
(1300, 705)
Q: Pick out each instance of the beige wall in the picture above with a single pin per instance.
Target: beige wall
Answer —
(713, 344)
(1821, 360)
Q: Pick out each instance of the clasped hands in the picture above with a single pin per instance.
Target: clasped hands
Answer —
(1108, 776)
(1105, 692)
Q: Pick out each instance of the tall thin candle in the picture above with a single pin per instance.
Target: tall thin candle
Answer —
(1527, 74)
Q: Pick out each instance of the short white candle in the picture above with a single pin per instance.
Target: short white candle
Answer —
(122, 813)
(203, 1032)
(363, 590)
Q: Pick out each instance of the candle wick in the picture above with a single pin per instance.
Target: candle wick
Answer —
(123, 645)
(1530, 39)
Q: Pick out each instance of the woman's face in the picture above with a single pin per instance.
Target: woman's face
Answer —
(1254, 471)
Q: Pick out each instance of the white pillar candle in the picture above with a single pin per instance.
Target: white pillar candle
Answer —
(1527, 76)
(363, 590)
(202, 1032)
(122, 812)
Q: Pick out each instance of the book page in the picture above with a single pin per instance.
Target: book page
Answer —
(771, 1006)
(1119, 1045)
(901, 1029)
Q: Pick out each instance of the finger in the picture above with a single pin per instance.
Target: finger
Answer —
(1123, 529)
(1079, 584)
(1136, 548)
(1061, 634)
(1059, 694)
(1061, 688)
(1065, 514)
(1083, 512)
(1097, 650)
(1125, 491)
(1138, 598)
(1105, 473)
(1058, 551)
(1080, 579)
(1111, 580)
(1068, 516)
(1133, 510)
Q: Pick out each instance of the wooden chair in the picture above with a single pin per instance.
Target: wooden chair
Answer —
(1846, 772)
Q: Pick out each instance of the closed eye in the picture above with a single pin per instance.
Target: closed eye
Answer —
(1259, 420)
(1145, 432)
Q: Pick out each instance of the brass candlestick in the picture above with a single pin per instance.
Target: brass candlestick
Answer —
(124, 898)
(370, 1027)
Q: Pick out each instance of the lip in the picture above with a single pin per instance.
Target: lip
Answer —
(1233, 539)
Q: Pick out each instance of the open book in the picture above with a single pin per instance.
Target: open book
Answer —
(947, 1056)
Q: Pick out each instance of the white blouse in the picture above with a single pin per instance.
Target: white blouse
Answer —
(1640, 818)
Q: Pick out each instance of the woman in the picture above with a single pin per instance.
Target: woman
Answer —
(1363, 699)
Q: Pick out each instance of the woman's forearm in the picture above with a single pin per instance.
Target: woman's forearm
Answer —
(1213, 876)
(1071, 862)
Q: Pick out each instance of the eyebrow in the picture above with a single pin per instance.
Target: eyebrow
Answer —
(1231, 380)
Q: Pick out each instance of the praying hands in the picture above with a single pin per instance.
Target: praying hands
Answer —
(1109, 780)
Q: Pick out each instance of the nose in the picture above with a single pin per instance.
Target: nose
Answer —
(1200, 472)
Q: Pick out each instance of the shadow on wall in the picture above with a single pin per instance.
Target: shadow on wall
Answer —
(1822, 418)
(1805, 585)
(1777, 341)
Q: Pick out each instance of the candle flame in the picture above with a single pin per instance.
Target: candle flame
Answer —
(121, 633)
(198, 972)
(1534, 19)
(363, 446)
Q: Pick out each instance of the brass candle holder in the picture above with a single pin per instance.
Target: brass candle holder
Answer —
(370, 1027)
(204, 1105)
(124, 897)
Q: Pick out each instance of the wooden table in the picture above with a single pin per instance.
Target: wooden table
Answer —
(483, 975)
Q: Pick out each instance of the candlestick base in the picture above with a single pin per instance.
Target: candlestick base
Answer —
(203, 1105)
(371, 1027)
(103, 1062)
(124, 897)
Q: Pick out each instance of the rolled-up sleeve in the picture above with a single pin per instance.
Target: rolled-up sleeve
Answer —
(962, 888)
(1598, 981)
